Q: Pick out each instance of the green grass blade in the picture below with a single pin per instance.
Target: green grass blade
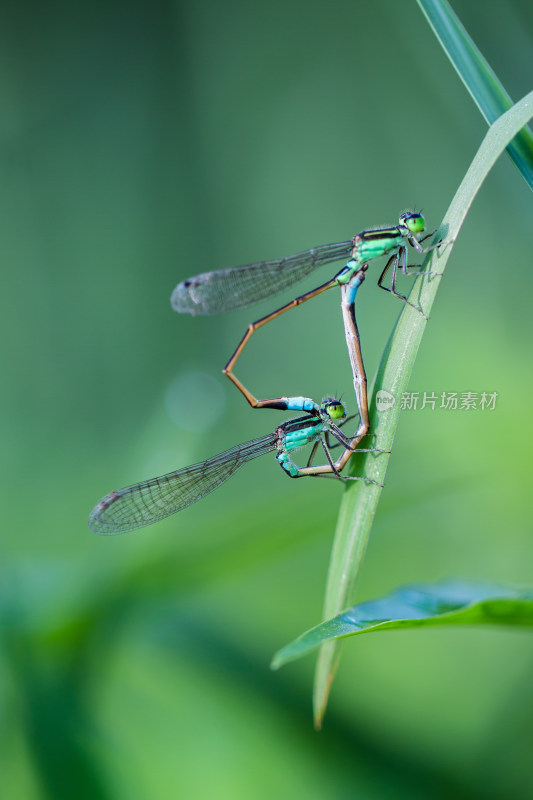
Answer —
(446, 603)
(481, 81)
(360, 500)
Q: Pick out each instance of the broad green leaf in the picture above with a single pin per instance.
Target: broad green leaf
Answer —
(481, 81)
(360, 499)
(446, 603)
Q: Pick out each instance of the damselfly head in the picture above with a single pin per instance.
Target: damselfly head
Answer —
(414, 222)
(333, 408)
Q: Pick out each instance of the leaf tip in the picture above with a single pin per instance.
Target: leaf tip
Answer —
(276, 662)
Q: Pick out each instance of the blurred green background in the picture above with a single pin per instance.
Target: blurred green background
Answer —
(143, 143)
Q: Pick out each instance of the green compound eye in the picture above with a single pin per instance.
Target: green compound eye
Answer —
(335, 409)
(413, 221)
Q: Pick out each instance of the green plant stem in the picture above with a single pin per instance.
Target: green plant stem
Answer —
(360, 500)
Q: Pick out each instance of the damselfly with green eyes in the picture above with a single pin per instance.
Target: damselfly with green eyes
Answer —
(225, 289)
(152, 500)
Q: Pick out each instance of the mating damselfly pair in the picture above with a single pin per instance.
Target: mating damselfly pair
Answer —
(221, 290)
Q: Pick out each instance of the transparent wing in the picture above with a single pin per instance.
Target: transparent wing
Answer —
(152, 500)
(224, 289)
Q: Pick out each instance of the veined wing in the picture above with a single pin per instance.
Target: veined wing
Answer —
(224, 289)
(157, 498)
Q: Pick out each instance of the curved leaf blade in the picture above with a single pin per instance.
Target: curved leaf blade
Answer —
(479, 78)
(446, 603)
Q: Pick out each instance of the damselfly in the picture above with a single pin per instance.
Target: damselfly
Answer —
(225, 289)
(152, 500)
